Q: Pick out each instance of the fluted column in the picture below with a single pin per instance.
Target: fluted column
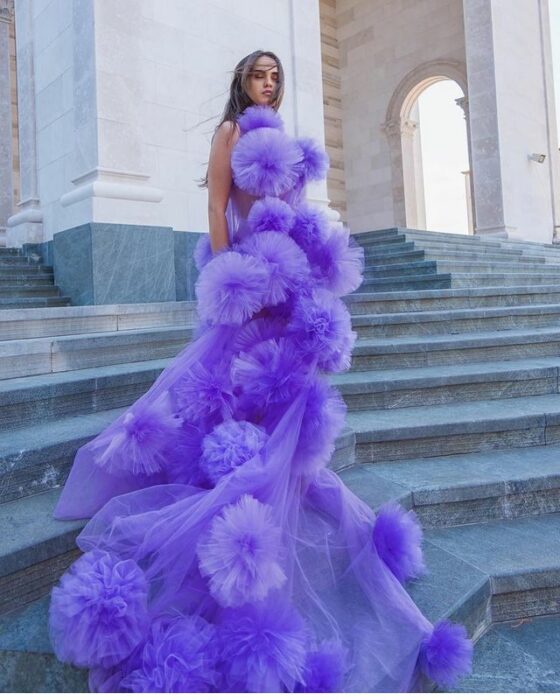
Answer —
(6, 150)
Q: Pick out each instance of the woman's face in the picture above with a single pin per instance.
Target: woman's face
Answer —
(263, 81)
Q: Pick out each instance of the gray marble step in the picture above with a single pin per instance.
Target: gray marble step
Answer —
(19, 324)
(453, 490)
(479, 266)
(464, 252)
(10, 251)
(516, 657)
(421, 281)
(455, 428)
(28, 291)
(455, 320)
(428, 386)
(22, 302)
(450, 349)
(27, 401)
(35, 548)
(31, 356)
(431, 299)
(475, 279)
(372, 257)
(37, 458)
(37, 279)
(21, 268)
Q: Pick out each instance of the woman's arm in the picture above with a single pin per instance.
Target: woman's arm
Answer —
(219, 183)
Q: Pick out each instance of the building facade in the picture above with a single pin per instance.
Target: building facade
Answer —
(117, 101)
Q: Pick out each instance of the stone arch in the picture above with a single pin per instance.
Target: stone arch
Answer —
(400, 125)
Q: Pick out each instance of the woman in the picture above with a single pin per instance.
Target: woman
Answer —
(222, 553)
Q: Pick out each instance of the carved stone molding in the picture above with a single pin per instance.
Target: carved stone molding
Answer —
(6, 10)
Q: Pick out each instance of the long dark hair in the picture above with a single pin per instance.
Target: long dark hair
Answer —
(239, 100)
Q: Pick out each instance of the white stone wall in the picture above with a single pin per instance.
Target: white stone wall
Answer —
(122, 87)
(381, 42)
(523, 119)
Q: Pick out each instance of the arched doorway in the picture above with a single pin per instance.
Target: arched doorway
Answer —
(403, 133)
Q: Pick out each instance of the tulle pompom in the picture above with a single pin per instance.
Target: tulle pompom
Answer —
(258, 116)
(272, 371)
(98, 611)
(265, 161)
(446, 655)
(180, 656)
(285, 261)
(229, 445)
(141, 443)
(271, 214)
(397, 535)
(324, 417)
(338, 263)
(241, 553)
(202, 253)
(201, 392)
(311, 226)
(321, 326)
(324, 669)
(315, 162)
(231, 288)
(264, 647)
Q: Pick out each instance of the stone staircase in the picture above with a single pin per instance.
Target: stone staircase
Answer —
(454, 410)
(25, 282)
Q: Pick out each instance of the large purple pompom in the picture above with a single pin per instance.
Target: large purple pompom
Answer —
(322, 327)
(98, 612)
(180, 656)
(201, 392)
(446, 655)
(229, 445)
(271, 214)
(265, 161)
(311, 226)
(231, 288)
(315, 162)
(272, 371)
(183, 466)
(257, 330)
(141, 443)
(285, 261)
(264, 647)
(258, 116)
(397, 535)
(241, 553)
(338, 263)
(324, 669)
(323, 420)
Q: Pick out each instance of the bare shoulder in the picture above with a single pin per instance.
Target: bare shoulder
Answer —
(227, 132)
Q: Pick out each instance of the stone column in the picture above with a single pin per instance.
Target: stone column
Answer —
(463, 103)
(26, 226)
(6, 151)
(413, 181)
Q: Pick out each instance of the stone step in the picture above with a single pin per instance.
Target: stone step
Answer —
(39, 323)
(428, 386)
(372, 257)
(36, 279)
(31, 356)
(463, 489)
(10, 260)
(455, 428)
(445, 349)
(37, 458)
(474, 279)
(519, 267)
(420, 267)
(464, 252)
(431, 299)
(27, 660)
(426, 281)
(516, 657)
(35, 548)
(455, 320)
(10, 251)
(375, 258)
(33, 302)
(22, 290)
(21, 268)
(28, 401)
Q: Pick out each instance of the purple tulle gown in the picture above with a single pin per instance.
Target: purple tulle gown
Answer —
(222, 553)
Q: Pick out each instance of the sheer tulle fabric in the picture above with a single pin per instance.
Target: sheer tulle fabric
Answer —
(213, 511)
